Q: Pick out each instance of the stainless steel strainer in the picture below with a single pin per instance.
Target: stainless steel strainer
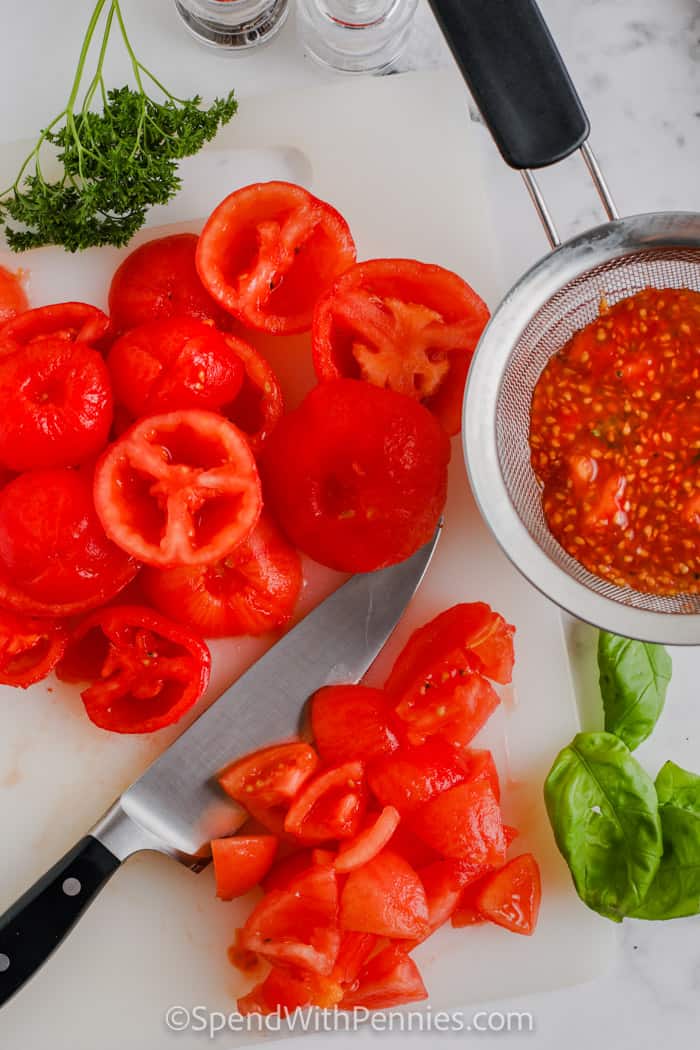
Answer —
(522, 88)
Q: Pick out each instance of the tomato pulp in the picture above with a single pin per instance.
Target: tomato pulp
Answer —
(13, 299)
(615, 442)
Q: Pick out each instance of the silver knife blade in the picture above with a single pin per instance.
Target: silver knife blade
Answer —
(178, 799)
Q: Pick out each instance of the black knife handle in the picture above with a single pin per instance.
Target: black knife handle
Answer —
(518, 79)
(33, 927)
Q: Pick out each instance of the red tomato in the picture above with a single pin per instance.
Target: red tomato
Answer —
(240, 862)
(411, 848)
(56, 405)
(466, 637)
(444, 882)
(55, 559)
(178, 489)
(357, 476)
(351, 722)
(510, 834)
(286, 870)
(330, 806)
(390, 978)
(466, 912)
(271, 776)
(355, 950)
(284, 991)
(369, 842)
(145, 671)
(511, 897)
(259, 406)
(385, 897)
(29, 648)
(178, 362)
(413, 775)
(455, 709)
(69, 322)
(13, 298)
(404, 325)
(298, 926)
(158, 280)
(479, 765)
(250, 591)
(463, 822)
(269, 251)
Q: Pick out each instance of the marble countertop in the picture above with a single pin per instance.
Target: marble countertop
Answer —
(636, 64)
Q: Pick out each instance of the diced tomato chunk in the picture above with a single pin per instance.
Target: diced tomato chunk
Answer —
(467, 913)
(481, 766)
(351, 722)
(456, 707)
(240, 862)
(511, 897)
(286, 869)
(389, 978)
(330, 806)
(270, 776)
(355, 950)
(369, 842)
(444, 882)
(413, 775)
(463, 822)
(385, 896)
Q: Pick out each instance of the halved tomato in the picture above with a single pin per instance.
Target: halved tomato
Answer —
(269, 250)
(178, 489)
(412, 775)
(511, 897)
(145, 671)
(259, 405)
(29, 648)
(368, 842)
(271, 776)
(252, 590)
(68, 322)
(389, 978)
(404, 325)
(13, 298)
(351, 722)
(463, 822)
(330, 806)
(240, 862)
(385, 897)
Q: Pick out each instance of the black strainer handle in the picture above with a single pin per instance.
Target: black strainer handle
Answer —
(517, 77)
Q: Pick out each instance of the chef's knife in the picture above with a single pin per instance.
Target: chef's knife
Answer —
(177, 806)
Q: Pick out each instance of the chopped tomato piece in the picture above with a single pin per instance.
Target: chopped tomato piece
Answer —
(389, 978)
(158, 280)
(467, 913)
(173, 363)
(444, 882)
(480, 765)
(286, 869)
(386, 897)
(330, 806)
(55, 559)
(240, 862)
(297, 926)
(259, 405)
(13, 298)
(355, 950)
(413, 850)
(357, 476)
(404, 325)
(510, 834)
(464, 821)
(511, 897)
(454, 707)
(412, 775)
(145, 671)
(269, 251)
(29, 648)
(252, 590)
(369, 842)
(351, 722)
(56, 402)
(67, 322)
(178, 489)
(284, 991)
(271, 776)
(322, 856)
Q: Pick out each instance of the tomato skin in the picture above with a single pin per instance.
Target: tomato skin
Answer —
(368, 842)
(413, 775)
(57, 405)
(390, 320)
(55, 559)
(178, 362)
(385, 897)
(159, 280)
(252, 590)
(69, 322)
(268, 251)
(357, 476)
(178, 489)
(389, 978)
(146, 672)
(330, 806)
(271, 776)
(259, 405)
(463, 822)
(351, 722)
(240, 862)
(30, 648)
(511, 897)
(13, 298)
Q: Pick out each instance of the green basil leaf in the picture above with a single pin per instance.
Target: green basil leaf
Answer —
(675, 891)
(634, 677)
(603, 810)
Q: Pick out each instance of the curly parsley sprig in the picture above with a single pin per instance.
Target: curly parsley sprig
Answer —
(116, 162)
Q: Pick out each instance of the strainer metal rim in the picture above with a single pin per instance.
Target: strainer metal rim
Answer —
(535, 288)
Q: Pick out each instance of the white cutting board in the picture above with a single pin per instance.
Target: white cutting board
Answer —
(399, 157)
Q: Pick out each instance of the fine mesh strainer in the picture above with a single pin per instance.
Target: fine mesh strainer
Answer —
(523, 90)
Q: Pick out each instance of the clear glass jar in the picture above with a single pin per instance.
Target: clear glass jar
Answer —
(355, 36)
(233, 24)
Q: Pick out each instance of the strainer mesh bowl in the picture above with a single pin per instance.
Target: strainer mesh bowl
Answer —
(572, 307)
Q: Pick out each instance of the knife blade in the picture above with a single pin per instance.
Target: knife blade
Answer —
(176, 807)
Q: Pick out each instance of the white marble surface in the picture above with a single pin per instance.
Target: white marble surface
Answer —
(637, 66)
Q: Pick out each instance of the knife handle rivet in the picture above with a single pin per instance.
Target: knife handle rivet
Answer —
(71, 887)
(4, 962)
